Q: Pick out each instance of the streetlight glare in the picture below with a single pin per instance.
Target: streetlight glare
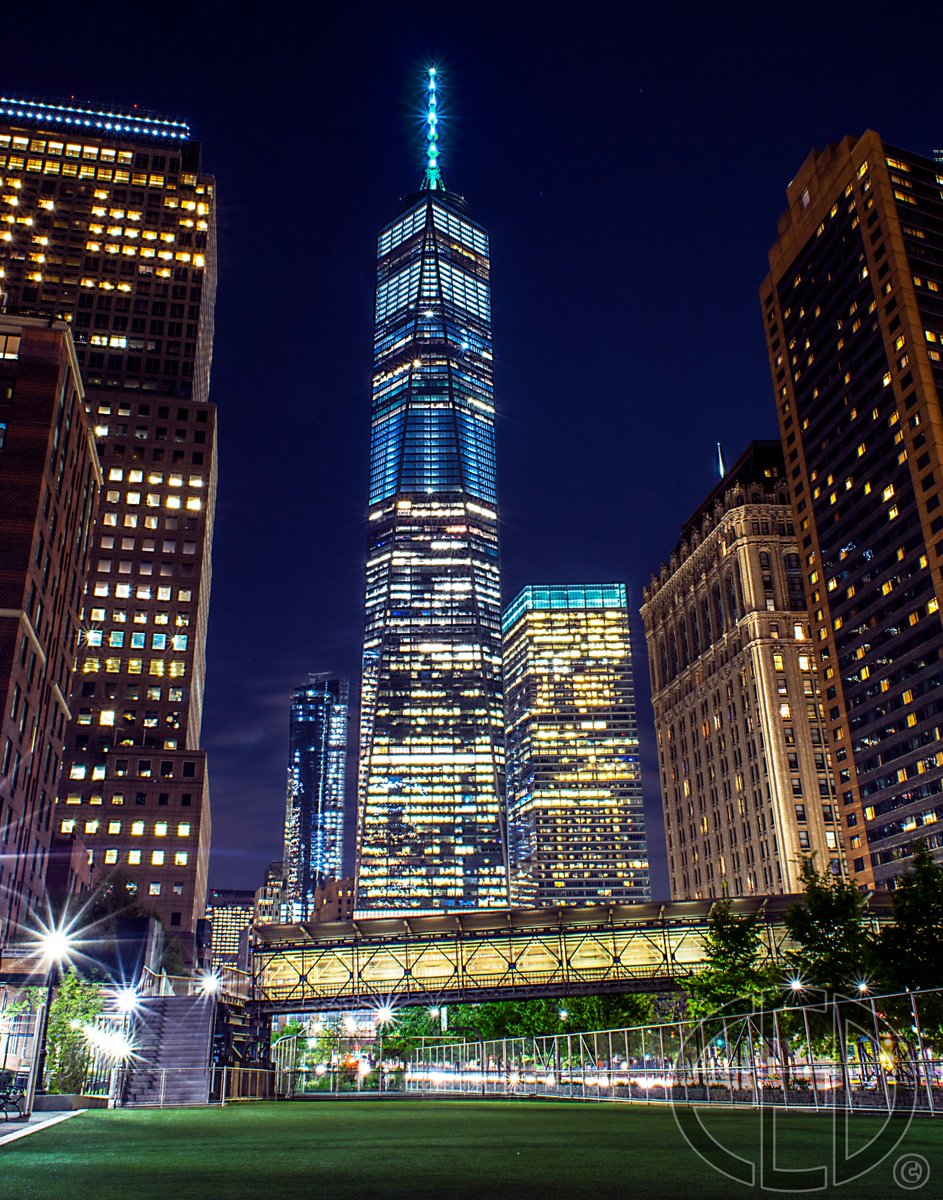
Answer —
(126, 999)
(55, 946)
(385, 1014)
(209, 983)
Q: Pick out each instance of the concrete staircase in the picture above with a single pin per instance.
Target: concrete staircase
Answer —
(173, 1042)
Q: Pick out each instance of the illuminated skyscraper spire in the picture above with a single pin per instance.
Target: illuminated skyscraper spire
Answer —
(431, 830)
(433, 179)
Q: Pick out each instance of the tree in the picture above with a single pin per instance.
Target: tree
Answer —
(910, 951)
(835, 949)
(735, 976)
(77, 1003)
(292, 1028)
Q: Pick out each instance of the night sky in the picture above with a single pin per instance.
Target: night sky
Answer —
(630, 168)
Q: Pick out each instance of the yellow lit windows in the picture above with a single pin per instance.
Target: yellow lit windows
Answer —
(137, 828)
(181, 858)
(183, 829)
(134, 858)
(67, 826)
(111, 857)
(778, 662)
(160, 829)
(114, 827)
(157, 858)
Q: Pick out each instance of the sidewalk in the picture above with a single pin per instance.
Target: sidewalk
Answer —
(12, 1131)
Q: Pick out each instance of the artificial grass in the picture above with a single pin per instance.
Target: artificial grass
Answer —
(449, 1150)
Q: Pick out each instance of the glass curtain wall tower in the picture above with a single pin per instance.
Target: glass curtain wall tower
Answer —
(431, 831)
(317, 774)
(575, 814)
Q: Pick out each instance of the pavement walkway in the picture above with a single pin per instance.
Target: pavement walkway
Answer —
(12, 1131)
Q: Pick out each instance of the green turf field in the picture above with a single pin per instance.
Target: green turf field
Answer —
(340, 1149)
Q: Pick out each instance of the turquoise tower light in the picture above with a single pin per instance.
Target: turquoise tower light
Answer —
(433, 179)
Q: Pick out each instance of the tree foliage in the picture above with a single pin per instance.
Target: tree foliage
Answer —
(735, 975)
(77, 1003)
(835, 949)
(910, 951)
(293, 1028)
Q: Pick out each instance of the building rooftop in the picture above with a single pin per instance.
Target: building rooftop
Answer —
(72, 117)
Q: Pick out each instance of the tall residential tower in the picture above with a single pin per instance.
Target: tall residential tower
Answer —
(317, 775)
(575, 814)
(110, 224)
(431, 821)
(853, 308)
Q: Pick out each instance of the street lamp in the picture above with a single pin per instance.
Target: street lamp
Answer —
(56, 945)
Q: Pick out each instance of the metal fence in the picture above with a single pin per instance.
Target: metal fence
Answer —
(177, 1087)
(863, 1053)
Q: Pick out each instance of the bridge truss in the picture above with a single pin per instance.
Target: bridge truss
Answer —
(497, 954)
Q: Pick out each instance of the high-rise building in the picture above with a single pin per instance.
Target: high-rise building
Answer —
(269, 898)
(431, 818)
(50, 481)
(576, 822)
(746, 775)
(111, 225)
(317, 779)
(230, 912)
(853, 308)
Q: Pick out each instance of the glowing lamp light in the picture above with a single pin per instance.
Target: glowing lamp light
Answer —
(56, 946)
(863, 986)
(126, 999)
(385, 1014)
(210, 983)
(797, 985)
(564, 1014)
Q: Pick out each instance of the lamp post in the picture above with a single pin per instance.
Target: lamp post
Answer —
(55, 948)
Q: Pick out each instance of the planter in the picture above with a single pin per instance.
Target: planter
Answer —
(66, 1102)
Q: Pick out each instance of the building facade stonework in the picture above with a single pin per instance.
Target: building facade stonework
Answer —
(747, 782)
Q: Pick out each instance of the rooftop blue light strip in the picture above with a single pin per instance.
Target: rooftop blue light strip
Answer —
(549, 597)
(89, 118)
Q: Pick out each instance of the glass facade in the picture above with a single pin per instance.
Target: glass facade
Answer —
(317, 776)
(431, 821)
(854, 321)
(575, 815)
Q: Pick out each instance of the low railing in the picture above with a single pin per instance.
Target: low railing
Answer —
(227, 983)
(170, 1087)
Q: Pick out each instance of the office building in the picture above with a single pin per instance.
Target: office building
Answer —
(50, 481)
(574, 786)
(853, 309)
(111, 225)
(269, 898)
(746, 775)
(431, 830)
(317, 779)
(230, 912)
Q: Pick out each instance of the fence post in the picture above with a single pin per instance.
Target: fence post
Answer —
(924, 1068)
(163, 1080)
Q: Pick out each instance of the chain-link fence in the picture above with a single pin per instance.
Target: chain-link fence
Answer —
(862, 1053)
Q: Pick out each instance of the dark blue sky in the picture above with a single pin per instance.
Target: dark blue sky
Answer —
(631, 169)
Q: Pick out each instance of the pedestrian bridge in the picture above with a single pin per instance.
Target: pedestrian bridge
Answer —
(496, 954)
